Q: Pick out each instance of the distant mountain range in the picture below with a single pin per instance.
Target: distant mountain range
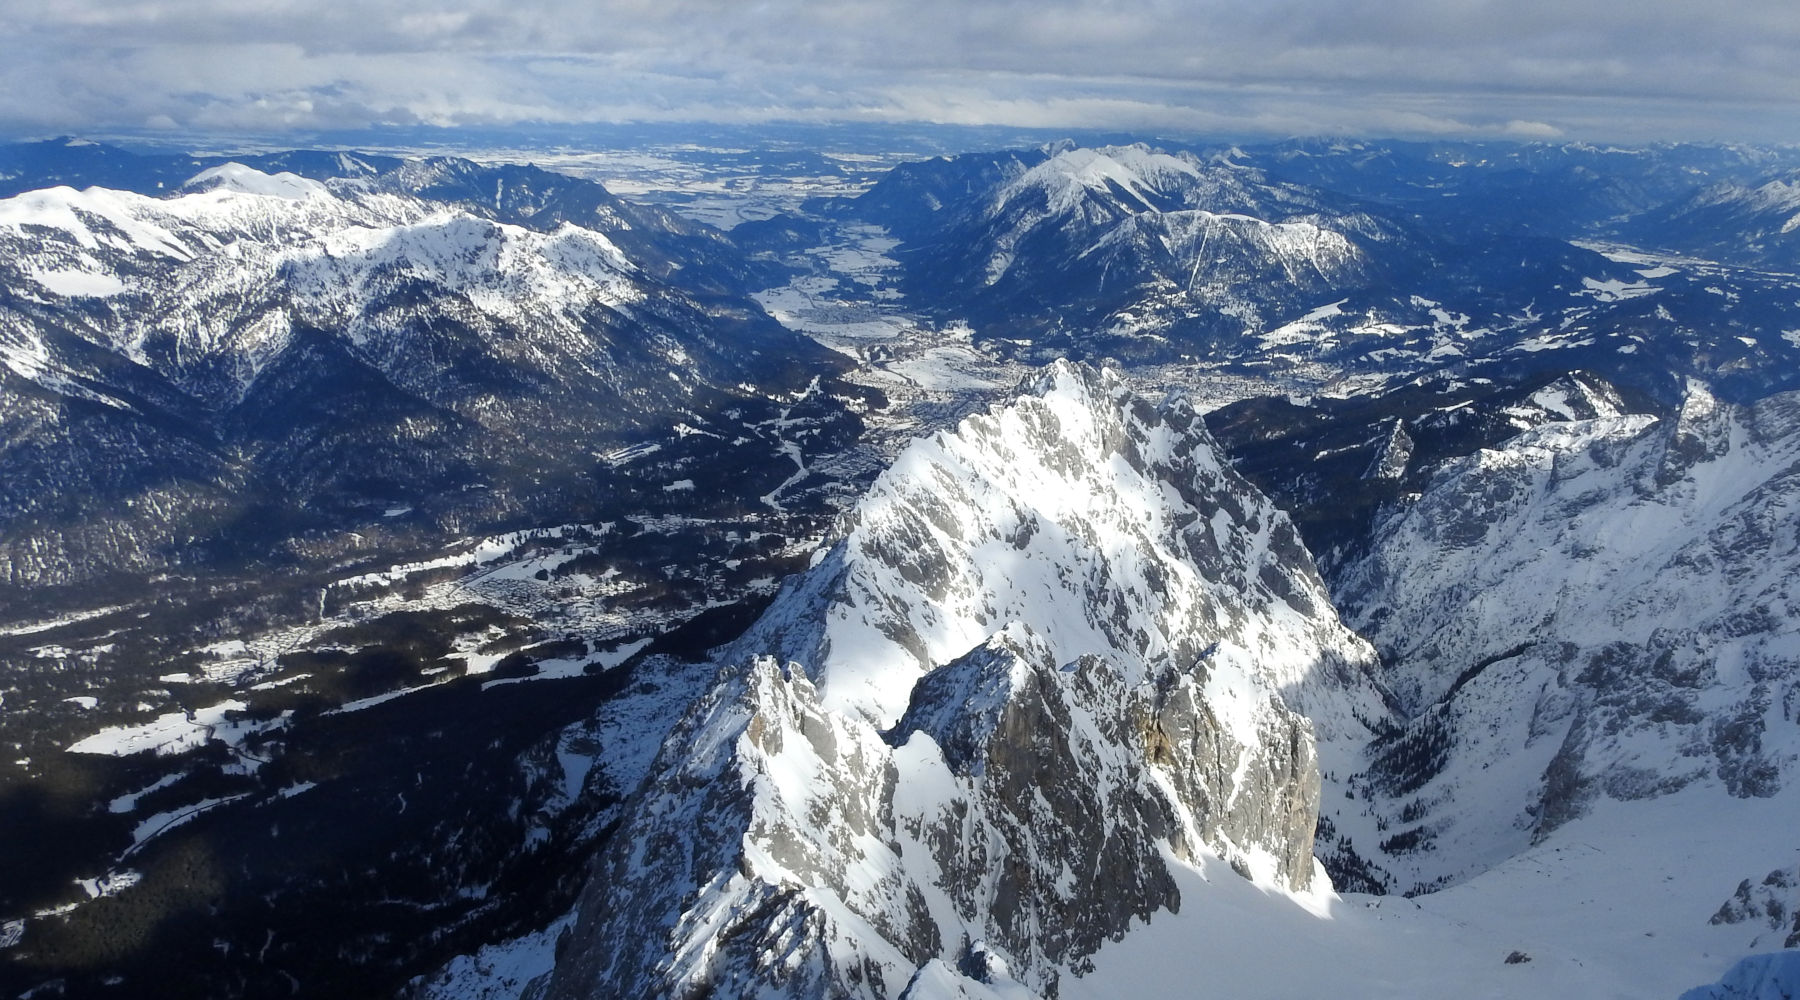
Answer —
(1247, 255)
(251, 365)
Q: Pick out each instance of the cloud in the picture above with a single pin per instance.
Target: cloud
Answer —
(1526, 68)
(1531, 130)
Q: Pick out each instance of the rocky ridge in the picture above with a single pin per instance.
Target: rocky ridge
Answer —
(964, 749)
(1594, 608)
(1136, 251)
(441, 337)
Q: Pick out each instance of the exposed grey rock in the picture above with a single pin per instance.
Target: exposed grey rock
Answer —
(1602, 602)
(1393, 454)
(1052, 653)
(1773, 903)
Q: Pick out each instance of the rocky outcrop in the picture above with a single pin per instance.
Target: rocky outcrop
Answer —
(1053, 654)
(1393, 454)
(1773, 903)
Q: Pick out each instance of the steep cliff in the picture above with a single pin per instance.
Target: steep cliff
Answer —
(1595, 608)
(1053, 654)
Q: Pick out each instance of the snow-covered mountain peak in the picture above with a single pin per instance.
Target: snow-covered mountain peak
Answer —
(90, 220)
(1147, 175)
(1781, 194)
(241, 179)
(1129, 251)
(219, 273)
(1054, 651)
(1103, 521)
(467, 252)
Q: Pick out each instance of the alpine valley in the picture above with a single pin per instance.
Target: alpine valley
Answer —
(1080, 570)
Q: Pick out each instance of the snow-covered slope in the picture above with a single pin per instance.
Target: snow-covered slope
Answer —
(1055, 655)
(1126, 245)
(1755, 223)
(1074, 174)
(1597, 609)
(205, 287)
(440, 331)
(1171, 256)
(1612, 907)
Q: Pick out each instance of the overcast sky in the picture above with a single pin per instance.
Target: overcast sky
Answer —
(1581, 69)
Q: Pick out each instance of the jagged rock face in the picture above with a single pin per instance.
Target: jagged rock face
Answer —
(1334, 464)
(1051, 651)
(1107, 524)
(1604, 605)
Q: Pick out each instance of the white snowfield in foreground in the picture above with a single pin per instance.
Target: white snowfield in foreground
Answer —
(1613, 907)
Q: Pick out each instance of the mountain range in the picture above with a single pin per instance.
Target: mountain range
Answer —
(299, 356)
(446, 579)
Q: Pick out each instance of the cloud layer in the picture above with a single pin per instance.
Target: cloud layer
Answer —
(1605, 69)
